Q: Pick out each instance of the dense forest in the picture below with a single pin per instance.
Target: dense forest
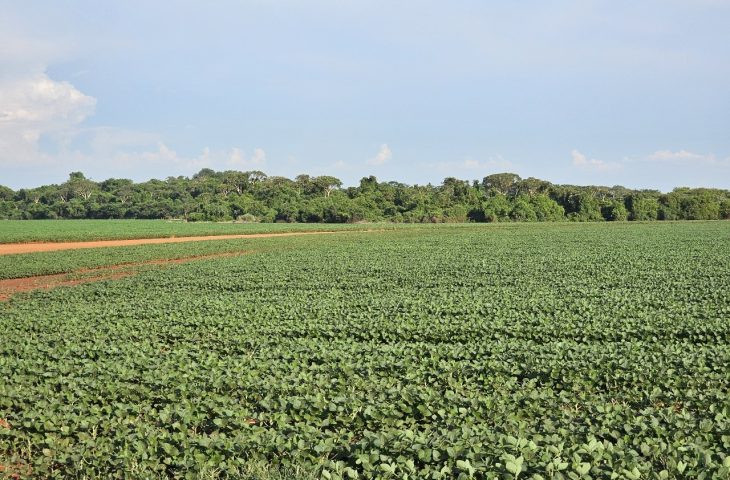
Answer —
(255, 197)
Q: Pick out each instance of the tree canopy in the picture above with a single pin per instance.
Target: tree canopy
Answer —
(254, 196)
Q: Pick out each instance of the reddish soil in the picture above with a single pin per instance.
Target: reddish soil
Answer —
(13, 248)
(12, 286)
(15, 472)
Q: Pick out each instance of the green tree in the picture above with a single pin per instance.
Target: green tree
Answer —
(80, 186)
(585, 208)
(504, 183)
(531, 186)
(326, 184)
(455, 214)
(236, 181)
(496, 209)
(212, 195)
(615, 211)
(670, 206)
(701, 204)
(724, 209)
(642, 207)
(522, 210)
(546, 209)
(6, 193)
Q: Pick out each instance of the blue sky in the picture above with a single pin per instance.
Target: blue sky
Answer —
(635, 93)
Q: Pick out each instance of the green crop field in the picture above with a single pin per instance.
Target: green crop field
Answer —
(564, 351)
(82, 230)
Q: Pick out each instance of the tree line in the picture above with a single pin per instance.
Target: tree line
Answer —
(256, 197)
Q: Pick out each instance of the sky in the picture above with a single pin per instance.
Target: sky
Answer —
(633, 93)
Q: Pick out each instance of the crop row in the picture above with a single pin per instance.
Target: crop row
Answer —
(17, 231)
(64, 261)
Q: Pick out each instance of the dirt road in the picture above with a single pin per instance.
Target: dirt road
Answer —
(12, 286)
(13, 248)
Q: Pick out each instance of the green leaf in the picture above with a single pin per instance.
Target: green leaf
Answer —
(515, 466)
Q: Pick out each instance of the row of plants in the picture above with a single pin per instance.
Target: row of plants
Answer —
(17, 231)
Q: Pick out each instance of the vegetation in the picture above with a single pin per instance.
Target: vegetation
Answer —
(255, 197)
(65, 261)
(15, 231)
(566, 351)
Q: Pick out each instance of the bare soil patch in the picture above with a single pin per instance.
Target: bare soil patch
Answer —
(13, 286)
(14, 248)
(15, 471)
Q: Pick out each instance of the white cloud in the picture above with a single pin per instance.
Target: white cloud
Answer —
(166, 157)
(496, 161)
(238, 159)
(34, 105)
(383, 156)
(681, 155)
(163, 155)
(685, 157)
(259, 157)
(22, 54)
(40, 100)
(469, 164)
(140, 162)
(108, 140)
(42, 125)
(583, 162)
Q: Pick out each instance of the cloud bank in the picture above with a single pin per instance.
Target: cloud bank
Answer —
(684, 157)
(592, 164)
(384, 155)
(33, 106)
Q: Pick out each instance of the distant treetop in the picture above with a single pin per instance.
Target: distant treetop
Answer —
(210, 195)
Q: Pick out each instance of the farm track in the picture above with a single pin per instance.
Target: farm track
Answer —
(15, 248)
(13, 286)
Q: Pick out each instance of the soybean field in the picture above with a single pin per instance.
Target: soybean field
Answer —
(84, 230)
(500, 351)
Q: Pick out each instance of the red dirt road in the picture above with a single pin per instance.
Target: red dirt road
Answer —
(10, 287)
(13, 248)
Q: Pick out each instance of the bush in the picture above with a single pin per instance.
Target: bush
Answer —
(247, 218)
